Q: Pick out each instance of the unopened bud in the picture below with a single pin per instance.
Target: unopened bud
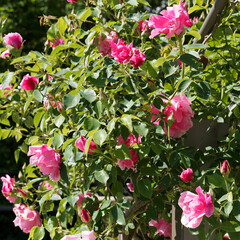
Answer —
(85, 216)
(225, 168)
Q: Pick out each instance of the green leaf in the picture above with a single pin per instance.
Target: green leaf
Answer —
(195, 8)
(118, 215)
(91, 124)
(37, 233)
(216, 180)
(122, 152)
(111, 126)
(16, 155)
(151, 70)
(72, 200)
(195, 34)
(6, 79)
(230, 226)
(195, 46)
(106, 204)
(84, 14)
(89, 95)
(59, 120)
(141, 129)
(144, 2)
(184, 85)
(62, 25)
(99, 109)
(228, 207)
(126, 120)
(29, 100)
(189, 59)
(170, 68)
(37, 95)
(37, 118)
(236, 210)
(133, 2)
(99, 137)
(71, 101)
(58, 141)
(144, 188)
(101, 176)
(52, 223)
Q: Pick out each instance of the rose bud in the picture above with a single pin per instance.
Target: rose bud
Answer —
(225, 168)
(187, 175)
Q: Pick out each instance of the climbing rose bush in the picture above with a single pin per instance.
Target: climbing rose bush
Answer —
(116, 114)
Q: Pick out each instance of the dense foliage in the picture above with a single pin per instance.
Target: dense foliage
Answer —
(105, 116)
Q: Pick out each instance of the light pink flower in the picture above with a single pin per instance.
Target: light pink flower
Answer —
(7, 90)
(70, 237)
(47, 159)
(143, 25)
(104, 46)
(8, 187)
(171, 22)
(187, 175)
(137, 58)
(4, 54)
(72, 1)
(225, 168)
(53, 102)
(29, 82)
(130, 186)
(195, 207)
(81, 197)
(163, 227)
(128, 163)
(130, 140)
(81, 142)
(226, 236)
(13, 39)
(121, 52)
(57, 42)
(26, 218)
(87, 235)
(45, 185)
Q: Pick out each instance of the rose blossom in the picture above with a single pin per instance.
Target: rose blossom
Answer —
(187, 175)
(45, 185)
(130, 186)
(8, 187)
(128, 163)
(72, 1)
(225, 168)
(143, 26)
(47, 159)
(104, 46)
(121, 52)
(81, 197)
(85, 216)
(172, 21)
(26, 218)
(29, 82)
(70, 237)
(81, 142)
(163, 227)
(137, 58)
(226, 236)
(182, 112)
(13, 39)
(130, 140)
(6, 90)
(57, 42)
(195, 207)
(4, 54)
(87, 235)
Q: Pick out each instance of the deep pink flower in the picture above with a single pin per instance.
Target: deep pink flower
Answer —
(72, 1)
(171, 22)
(29, 82)
(104, 46)
(195, 207)
(128, 163)
(137, 58)
(57, 42)
(13, 39)
(4, 54)
(143, 26)
(226, 236)
(70, 237)
(130, 186)
(225, 168)
(130, 140)
(121, 52)
(81, 197)
(47, 159)
(45, 185)
(163, 227)
(87, 235)
(187, 175)
(85, 216)
(81, 142)
(8, 187)
(26, 218)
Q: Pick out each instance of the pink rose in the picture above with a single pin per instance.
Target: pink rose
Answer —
(128, 163)
(81, 142)
(72, 1)
(6, 90)
(195, 207)
(13, 39)
(4, 54)
(26, 218)
(130, 186)
(47, 159)
(8, 187)
(121, 52)
(54, 103)
(130, 140)
(29, 82)
(85, 216)
(70, 237)
(57, 42)
(137, 58)
(104, 46)
(163, 227)
(87, 235)
(81, 197)
(225, 168)
(45, 185)
(172, 21)
(187, 175)
(143, 26)
(226, 236)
